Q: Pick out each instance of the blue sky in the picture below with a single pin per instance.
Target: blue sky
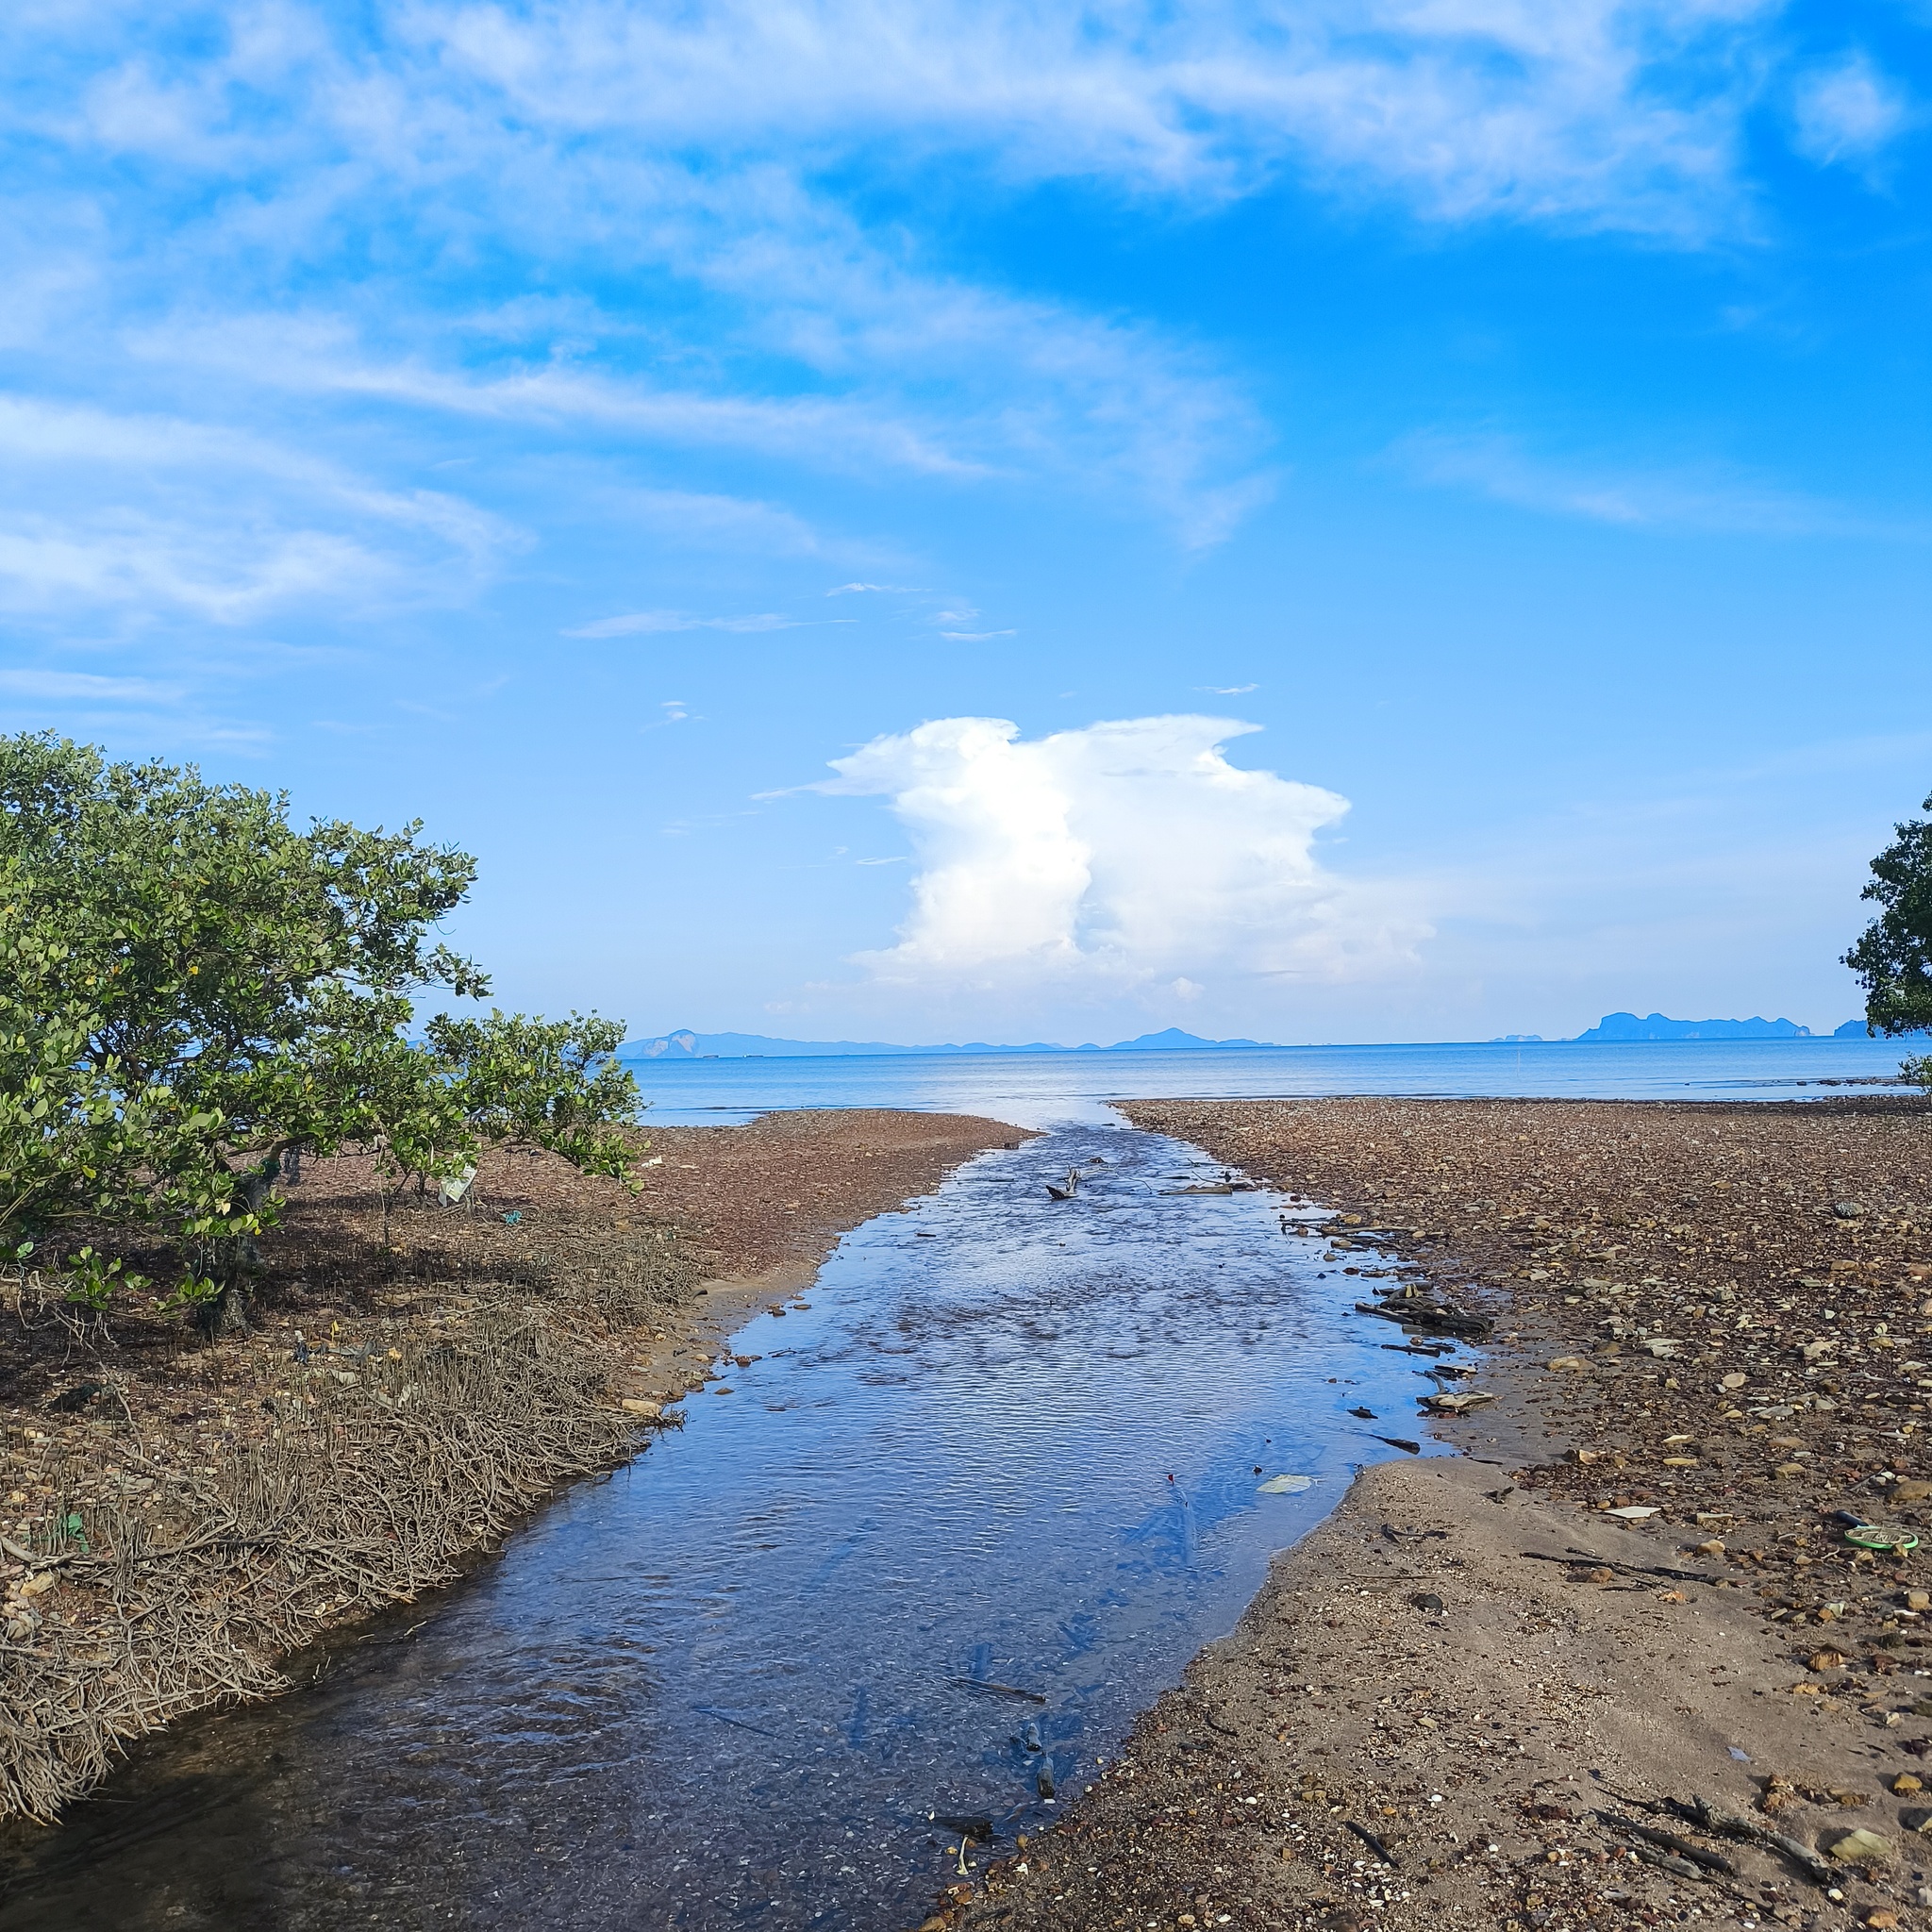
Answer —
(1391, 520)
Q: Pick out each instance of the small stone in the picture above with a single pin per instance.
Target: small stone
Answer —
(34, 1585)
(1733, 1380)
(1882, 1917)
(1786, 1470)
(1680, 1462)
(1713, 1548)
(1825, 1660)
(633, 1404)
(1569, 1364)
(1905, 1785)
(1918, 1600)
(1862, 1847)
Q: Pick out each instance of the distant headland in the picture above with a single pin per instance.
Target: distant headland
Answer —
(687, 1043)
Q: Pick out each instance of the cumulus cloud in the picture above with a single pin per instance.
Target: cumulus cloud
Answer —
(1119, 856)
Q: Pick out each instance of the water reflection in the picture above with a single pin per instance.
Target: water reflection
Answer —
(977, 1502)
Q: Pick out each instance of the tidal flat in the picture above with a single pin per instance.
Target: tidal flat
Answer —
(1494, 1691)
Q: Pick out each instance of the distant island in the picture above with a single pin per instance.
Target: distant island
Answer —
(1619, 1026)
(690, 1046)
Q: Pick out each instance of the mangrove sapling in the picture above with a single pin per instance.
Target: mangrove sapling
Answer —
(555, 1084)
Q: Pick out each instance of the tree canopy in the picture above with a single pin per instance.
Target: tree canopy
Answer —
(192, 986)
(1893, 956)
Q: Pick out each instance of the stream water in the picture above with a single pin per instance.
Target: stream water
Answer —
(1003, 1441)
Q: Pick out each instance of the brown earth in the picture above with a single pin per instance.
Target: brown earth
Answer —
(177, 1515)
(1711, 1312)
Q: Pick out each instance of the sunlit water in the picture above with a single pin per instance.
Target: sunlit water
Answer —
(1008, 1441)
(1034, 1089)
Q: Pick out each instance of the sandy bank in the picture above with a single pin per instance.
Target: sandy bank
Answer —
(178, 1517)
(1473, 1660)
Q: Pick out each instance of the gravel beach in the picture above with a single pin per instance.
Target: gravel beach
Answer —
(1478, 1694)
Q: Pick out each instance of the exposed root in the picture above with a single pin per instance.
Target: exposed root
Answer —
(183, 1590)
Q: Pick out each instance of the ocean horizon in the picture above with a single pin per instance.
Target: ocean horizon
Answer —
(1034, 1088)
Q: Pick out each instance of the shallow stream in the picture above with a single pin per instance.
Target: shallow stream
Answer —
(1003, 1441)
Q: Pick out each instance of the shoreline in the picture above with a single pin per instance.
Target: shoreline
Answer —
(182, 1517)
(1410, 1682)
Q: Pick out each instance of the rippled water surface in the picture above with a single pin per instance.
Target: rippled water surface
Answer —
(1007, 1442)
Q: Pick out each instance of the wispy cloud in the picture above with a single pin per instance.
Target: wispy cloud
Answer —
(642, 622)
(1849, 112)
(1624, 112)
(1711, 498)
(85, 688)
(138, 511)
(663, 146)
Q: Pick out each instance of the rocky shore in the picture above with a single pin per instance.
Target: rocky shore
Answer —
(178, 1517)
(1497, 1686)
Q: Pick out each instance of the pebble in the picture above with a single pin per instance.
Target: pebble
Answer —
(1862, 1847)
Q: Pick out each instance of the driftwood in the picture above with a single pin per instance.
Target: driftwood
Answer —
(1577, 1558)
(1706, 1817)
(1670, 1842)
(1373, 1843)
(1431, 1317)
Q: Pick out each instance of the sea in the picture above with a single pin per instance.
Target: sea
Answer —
(1045, 1089)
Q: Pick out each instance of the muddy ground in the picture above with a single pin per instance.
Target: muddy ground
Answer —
(176, 1515)
(1455, 1702)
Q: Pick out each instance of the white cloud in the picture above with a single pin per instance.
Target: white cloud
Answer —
(1847, 113)
(1715, 497)
(1112, 857)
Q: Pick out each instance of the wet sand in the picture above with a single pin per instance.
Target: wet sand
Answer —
(1708, 1312)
